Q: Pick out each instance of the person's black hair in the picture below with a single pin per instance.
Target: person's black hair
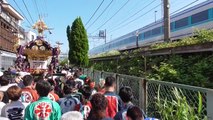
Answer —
(80, 69)
(110, 80)
(99, 102)
(126, 94)
(7, 73)
(4, 80)
(86, 91)
(43, 88)
(5, 98)
(135, 113)
(27, 80)
(76, 75)
(52, 83)
(37, 79)
(68, 88)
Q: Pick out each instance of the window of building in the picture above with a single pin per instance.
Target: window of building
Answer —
(199, 17)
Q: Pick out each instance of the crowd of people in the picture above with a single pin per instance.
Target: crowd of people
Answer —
(72, 97)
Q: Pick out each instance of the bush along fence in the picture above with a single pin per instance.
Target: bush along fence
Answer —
(164, 100)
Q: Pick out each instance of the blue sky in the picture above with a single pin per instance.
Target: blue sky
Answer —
(59, 13)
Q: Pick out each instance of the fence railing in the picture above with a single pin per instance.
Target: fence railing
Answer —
(146, 92)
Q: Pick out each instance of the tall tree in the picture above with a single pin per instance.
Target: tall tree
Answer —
(69, 41)
(78, 43)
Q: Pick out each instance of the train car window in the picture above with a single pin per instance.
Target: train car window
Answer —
(199, 17)
(156, 31)
(140, 37)
(181, 23)
(147, 34)
(171, 26)
(128, 40)
(134, 39)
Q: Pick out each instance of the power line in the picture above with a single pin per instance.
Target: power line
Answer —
(94, 13)
(42, 8)
(184, 7)
(135, 13)
(22, 13)
(28, 11)
(131, 9)
(136, 18)
(113, 15)
(100, 14)
(37, 8)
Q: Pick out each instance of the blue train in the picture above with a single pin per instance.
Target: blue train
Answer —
(182, 24)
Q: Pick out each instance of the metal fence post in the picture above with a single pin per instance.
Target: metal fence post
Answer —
(93, 71)
(102, 75)
(209, 105)
(143, 94)
(117, 83)
(87, 71)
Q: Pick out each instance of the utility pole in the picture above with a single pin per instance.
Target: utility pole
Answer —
(155, 15)
(105, 35)
(166, 7)
(137, 34)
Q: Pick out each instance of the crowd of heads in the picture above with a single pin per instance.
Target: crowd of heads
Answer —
(81, 97)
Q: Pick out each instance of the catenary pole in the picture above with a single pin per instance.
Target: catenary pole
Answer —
(166, 7)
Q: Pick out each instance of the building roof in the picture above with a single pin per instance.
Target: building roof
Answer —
(11, 10)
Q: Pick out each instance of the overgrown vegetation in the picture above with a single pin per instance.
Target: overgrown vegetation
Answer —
(199, 37)
(110, 53)
(191, 69)
(178, 108)
(64, 62)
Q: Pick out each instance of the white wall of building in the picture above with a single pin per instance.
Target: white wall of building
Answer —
(29, 36)
(7, 59)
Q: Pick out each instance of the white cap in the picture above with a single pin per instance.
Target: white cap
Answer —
(1, 73)
(72, 115)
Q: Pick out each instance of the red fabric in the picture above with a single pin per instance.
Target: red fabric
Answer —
(112, 107)
(32, 92)
(53, 96)
(89, 104)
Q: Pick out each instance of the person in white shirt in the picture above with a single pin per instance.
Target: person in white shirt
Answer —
(4, 82)
(2, 104)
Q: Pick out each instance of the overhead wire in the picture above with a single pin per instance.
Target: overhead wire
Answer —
(28, 11)
(42, 8)
(134, 13)
(100, 14)
(112, 15)
(135, 18)
(184, 7)
(130, 11)
(94, 12)
(36, 5)
(22, 12)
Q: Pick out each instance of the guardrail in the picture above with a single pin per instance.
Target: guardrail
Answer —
(146, 91)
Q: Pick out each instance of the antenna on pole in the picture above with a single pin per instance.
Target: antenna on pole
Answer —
(59, 43)
(101, 35)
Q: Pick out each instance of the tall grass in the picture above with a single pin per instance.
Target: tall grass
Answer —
(178, 108)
